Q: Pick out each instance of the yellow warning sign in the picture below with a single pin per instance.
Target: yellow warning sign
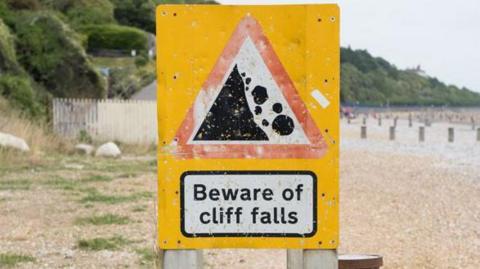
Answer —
(248, 115)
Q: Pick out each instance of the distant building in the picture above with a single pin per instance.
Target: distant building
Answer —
(419, 71)
(147, 93)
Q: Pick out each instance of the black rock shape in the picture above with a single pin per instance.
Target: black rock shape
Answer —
(230, 117)
(283, 125)
(260, 95)
(258, 110)
(265, 123)
(277, 107)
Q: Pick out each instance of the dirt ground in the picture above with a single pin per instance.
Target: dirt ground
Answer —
(414, 204)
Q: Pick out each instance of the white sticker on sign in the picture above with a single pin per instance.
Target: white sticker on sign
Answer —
(248, 203)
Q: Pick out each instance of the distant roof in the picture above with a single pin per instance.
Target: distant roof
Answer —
(147, 93)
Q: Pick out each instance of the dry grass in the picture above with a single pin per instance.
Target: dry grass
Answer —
(35, 132)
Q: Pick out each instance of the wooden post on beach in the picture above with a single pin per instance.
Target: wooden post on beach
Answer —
(379, 120)
(421, 133)
(364, 121)
(348, 120)
(363, 132)
(473, 123)
(392, 133)
(312, 259)
(395, 121)
(478, 134)
(451, 134)
(409, 120)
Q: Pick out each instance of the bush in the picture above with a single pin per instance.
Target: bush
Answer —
(136, 13)
(90, 12)
(24, 4)
(115, 37)
(19, 92)
(81, 12)
(141, 60)
(8, 59)
(52, 55)
(123, 83)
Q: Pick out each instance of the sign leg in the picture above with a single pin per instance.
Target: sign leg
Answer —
(312, 259)
(181, 259)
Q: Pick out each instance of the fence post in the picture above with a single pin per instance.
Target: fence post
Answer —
(421, 133)
(451, 134)
(379, 120)
(363, 132)
(364, 121)
(395, 121)
(312, 259)
(409, 120)
(392, 133)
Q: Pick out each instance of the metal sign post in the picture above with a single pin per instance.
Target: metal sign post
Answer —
(248, 101)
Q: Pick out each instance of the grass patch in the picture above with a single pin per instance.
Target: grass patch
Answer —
(114, 62)
(97, 197)
(147, 255)
(96, 178)
(12, 259)
(128, 167)
(106, 219)
(96, 244)
(128, 175)
(63, 184)
(14, 185)
(140, 208)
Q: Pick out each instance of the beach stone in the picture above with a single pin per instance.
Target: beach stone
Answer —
(13, 142)
(109, 149)
(84, 149)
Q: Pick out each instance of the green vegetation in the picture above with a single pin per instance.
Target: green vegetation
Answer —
(140, 208)
(19, 91)
(97, 197)
(12, 259)
(106, 219)
(368, 80)
(147, 255)
(52, 55)
(97, 244)
(14, 83)
(96, 178)
(63, 184)
(114, 37)
(15, 185)
(8, 58)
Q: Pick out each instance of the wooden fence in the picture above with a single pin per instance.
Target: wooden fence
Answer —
(128, 121)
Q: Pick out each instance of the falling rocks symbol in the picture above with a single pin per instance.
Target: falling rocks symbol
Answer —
(230, 117)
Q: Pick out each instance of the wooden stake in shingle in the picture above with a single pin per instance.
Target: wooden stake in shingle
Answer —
(451, 134)
(421, 133)
(392, 133)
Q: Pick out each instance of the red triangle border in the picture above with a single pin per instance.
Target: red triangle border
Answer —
(248, 26)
